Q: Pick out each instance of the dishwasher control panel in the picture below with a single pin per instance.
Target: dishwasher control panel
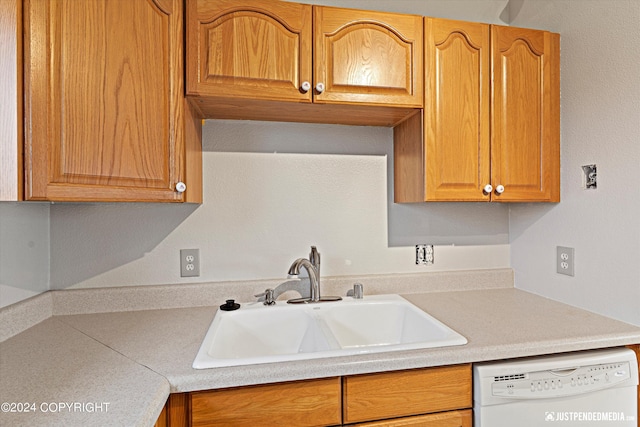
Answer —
(560, 382)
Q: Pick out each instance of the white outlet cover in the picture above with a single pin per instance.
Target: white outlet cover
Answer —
(565, 260)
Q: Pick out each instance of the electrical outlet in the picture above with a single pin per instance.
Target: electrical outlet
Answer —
(424, 254)
(189, 262)
(565, 258)
(590, 179)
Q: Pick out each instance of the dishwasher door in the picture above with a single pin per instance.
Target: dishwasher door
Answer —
(592, 388)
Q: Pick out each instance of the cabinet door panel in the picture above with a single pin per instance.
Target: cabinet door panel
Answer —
(104, 105)
(368, 57)
(442, 419)
(457, 151)
(525, 132)
(259, 49)
(302, 403)
(397, 394)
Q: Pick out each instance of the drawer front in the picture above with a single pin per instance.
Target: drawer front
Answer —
(309, 403)
(405, 393)
(442, 419)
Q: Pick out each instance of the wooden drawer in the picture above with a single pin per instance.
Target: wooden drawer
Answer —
(405, 393)
(302, 403)
(442, 419)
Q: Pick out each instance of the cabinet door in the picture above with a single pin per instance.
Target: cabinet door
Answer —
(257, 49)
(368, 57)
(11, 105)
(441, 419)
(104, 101)
(405, 393)
(456, 121)
(525, 140)
(302, 403)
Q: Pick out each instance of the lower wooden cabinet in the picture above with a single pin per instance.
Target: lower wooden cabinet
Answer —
(301, 403)
(442, 419)
(399, 394)
(429, 397)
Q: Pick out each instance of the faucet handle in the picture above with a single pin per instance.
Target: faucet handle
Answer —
(358, 292)
(314, 258)
(269, 296)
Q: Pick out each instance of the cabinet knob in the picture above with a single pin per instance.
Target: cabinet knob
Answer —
(320, 87)
(500, 189)
(181, 187)
(487, 189)
(305, 87)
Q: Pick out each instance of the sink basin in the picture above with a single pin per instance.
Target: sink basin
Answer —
(387, 322)
(263, 334)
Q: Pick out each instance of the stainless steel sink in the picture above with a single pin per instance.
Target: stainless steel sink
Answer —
(262, 334)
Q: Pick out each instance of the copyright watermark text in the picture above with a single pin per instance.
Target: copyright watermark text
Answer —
(54, 407)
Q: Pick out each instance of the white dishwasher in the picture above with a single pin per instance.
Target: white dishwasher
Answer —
(590, 388)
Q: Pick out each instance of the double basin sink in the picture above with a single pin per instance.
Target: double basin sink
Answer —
(256, 333)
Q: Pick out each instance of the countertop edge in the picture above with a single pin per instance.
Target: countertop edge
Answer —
(392, 361)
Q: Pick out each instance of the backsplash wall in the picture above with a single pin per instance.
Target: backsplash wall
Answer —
(270, 191)
(126, 244)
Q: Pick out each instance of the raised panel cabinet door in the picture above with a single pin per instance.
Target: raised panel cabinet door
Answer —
(104, 100)
(456, 122)
(525, 142)
(367, 57)
(257, 49)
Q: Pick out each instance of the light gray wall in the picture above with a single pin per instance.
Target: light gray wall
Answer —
(24, 250)
(600, 82)
(270, 191)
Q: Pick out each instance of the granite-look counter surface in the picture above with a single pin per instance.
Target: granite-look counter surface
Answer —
(52, 374)
(134, 359)
(498, 324)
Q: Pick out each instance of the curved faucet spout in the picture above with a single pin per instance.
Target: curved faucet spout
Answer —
(313, 276)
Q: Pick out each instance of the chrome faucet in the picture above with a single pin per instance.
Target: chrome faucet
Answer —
(294, 270)
(312, 265)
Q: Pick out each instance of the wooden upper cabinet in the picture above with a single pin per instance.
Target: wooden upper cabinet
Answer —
(11, 104)
(491, 118)
(105, 113)
(368, 57)
(284, 61)
(258, 49)
(456, 127)
(525, 139)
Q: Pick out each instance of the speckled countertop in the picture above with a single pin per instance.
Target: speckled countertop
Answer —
(134, 359)
(52, 375)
